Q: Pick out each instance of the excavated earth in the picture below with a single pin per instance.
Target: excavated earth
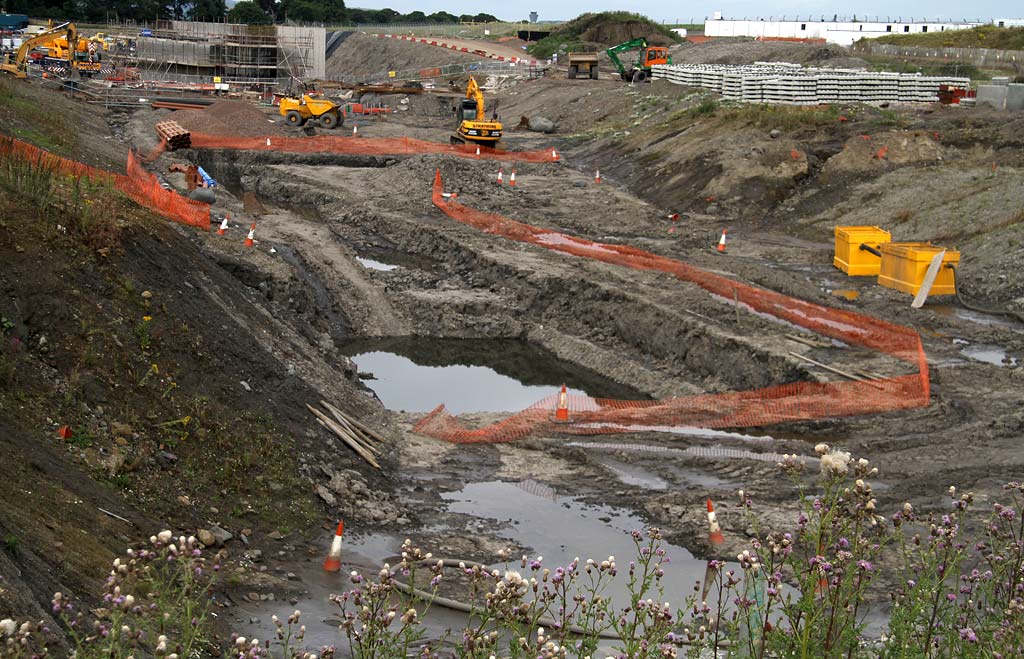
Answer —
(777, 184)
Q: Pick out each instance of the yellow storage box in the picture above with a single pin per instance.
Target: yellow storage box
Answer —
(853, 260)
(905, 264)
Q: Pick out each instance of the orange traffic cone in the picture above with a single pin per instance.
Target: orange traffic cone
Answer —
(715, 536)
(512, 179)
(501, 176)
(64, 432)
(477, 150)
(721, 242)
(268, 142)
(673, 216)
(223, 225)
(562, 411)
(333, 561)
(597, 176)
(252, 234)
(355, 130)
(554, 154)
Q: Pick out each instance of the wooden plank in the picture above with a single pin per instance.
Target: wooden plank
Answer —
(328, 423)
(928, 281)
(358, 424)
(837, 371)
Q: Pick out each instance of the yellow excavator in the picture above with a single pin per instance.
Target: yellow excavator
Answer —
(473, 124)
(19, 65)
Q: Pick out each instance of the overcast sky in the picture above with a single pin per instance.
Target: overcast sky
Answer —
(662, 11)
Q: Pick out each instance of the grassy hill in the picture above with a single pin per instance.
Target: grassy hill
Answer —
(985, 36)
(599, 31)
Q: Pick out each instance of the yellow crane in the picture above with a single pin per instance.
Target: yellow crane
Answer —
(473, 124)
(19, 65)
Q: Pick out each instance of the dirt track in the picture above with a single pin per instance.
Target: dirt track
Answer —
(300, 296)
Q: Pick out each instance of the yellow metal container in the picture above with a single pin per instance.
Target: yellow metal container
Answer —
(905, 264)
(850, 258)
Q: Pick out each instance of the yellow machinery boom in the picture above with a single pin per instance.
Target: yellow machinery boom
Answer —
(473, 124)
(19, 66)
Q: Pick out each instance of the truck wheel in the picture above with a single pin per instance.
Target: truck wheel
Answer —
(639, 75)
(573, 70)
(294, 118)
(593, 72)
(329, 120)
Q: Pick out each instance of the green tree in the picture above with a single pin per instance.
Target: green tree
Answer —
(415, 17)
(442, 17)
(248, 13)
(315, 11)
(207, 10)
(485, 18)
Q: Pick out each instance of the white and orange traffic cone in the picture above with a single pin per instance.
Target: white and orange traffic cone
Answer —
(597, 176)
(355, 130)
(223, 226)
(250, 239)
(554, 154)
(268, 142)
(721, 243)
(333, 561)
(512, 179)
(562, 411)
(715, 536)
(673, 216)
(501, 176)
(477, 150)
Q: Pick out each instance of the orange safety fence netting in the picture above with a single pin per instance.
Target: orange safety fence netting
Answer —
(795, 401)
(138, 184)
(370, 146)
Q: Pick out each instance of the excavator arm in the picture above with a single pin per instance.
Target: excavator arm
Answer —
(18, 66)
(613, 53)
(474, 93)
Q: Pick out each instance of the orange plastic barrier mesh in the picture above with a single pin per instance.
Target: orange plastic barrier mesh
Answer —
(368, 146)
(795, 401)
(138, 184)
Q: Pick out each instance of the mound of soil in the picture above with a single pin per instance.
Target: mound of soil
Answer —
(882, 149)
(748, 51)
(361, 57)
(615, 33)
(228, 117)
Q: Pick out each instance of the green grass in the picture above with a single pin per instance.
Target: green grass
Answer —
(570, 34)
(984, 36)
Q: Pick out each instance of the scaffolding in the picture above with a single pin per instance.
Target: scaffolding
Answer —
(185, 51)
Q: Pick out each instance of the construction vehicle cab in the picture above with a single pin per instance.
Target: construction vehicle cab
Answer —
(18, 67)
(473, 123)
(583, 63)
(640, 70)
(297, 111)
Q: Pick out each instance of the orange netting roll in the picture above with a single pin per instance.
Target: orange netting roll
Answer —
(797, 401)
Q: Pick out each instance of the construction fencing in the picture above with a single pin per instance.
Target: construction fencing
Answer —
(367, 146)
(797, 401)
(139, 185)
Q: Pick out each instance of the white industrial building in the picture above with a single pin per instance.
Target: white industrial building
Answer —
(840, 31)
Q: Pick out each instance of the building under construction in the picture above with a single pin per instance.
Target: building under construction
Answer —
(188, 51)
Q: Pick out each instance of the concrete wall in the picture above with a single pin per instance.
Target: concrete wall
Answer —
(792, 84)
(843, 33)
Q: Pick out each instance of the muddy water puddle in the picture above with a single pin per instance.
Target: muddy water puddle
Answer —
(956, 311)
(562, 528)
(467, 375)
(371, 264)
(989, 354)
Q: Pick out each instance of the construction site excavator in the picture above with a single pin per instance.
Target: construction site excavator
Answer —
(648, 56)
(473, 124)
(19, 65)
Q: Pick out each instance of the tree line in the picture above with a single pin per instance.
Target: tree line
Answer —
(256, 12)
